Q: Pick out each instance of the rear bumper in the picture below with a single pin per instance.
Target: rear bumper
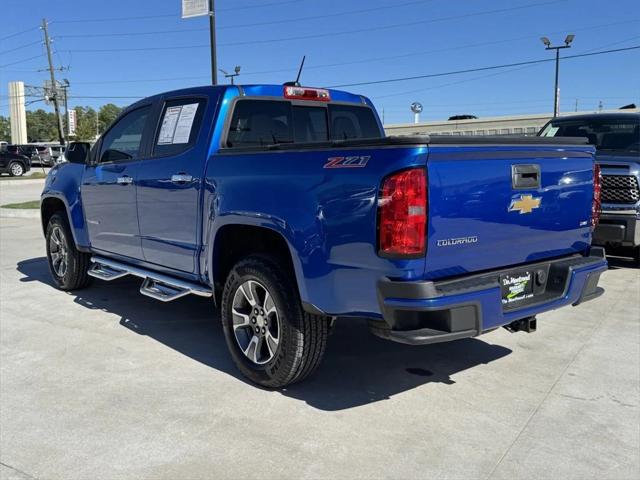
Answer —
(430, 312)
(617, 229)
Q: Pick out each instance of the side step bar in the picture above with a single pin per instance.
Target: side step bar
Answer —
(155, 285)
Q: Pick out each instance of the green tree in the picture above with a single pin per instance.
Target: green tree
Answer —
(85, 124)
(41, 126)
(5, 129)
(107, 114)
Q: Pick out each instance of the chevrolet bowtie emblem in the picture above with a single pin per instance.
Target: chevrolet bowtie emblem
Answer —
(525, 204)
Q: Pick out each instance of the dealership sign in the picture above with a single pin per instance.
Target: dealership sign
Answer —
(71, 122)
(195, 8)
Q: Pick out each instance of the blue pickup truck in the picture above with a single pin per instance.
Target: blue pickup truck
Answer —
(289, 207)
(616, 137)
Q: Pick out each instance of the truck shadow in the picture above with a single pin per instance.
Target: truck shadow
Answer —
(358, 368)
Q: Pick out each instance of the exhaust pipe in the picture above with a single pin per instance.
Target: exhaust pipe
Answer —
(528, 325)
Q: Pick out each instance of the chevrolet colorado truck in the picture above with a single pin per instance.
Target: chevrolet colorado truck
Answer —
(616, 137)
(289, 207)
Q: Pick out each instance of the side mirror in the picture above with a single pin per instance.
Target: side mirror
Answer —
(77, 152)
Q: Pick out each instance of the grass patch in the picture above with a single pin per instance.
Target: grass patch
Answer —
(33, 204)
(33, 176)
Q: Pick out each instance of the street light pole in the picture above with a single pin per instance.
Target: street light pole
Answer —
(212, 34)
(567, 44)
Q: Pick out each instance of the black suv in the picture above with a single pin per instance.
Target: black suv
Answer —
(14, 164)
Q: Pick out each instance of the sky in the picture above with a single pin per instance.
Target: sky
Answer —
(120, 50)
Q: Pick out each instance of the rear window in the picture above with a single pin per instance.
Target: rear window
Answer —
(616, 134)
(258, 123)
(349, 122)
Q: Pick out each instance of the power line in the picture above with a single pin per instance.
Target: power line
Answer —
(318, 35)
(511, 70)
(169, 15)
(256, 24)
(328, 15)
(391, 26)
(19, 33)
(22, 61)
(479, 69)
(20, 47)
(456, 72)
(370, 59)
(258, 5)
(441, 50)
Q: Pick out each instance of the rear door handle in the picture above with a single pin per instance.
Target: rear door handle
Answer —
(124, 180)
(181, 178)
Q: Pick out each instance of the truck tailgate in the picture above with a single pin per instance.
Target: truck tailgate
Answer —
(488, 208)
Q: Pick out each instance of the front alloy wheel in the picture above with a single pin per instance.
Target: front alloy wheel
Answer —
(59, 252)
(256, 324)
(69, 267)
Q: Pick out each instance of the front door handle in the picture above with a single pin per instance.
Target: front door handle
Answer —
(124, 180)
(181, 178)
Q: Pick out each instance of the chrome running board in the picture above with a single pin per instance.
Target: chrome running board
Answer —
(155, 285)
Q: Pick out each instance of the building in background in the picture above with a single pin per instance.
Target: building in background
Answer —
(506, 125)
(17, 114)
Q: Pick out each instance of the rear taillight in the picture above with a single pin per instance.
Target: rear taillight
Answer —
(596, 206)
(403, 214)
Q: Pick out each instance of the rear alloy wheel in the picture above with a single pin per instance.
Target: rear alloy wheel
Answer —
(256, 325)
(16, 169)
(272, 340)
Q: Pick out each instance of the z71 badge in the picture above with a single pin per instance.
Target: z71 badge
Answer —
(347, 162)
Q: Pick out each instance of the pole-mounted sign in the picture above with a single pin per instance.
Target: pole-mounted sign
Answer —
(199, 8)
(71, 122)
(195, 8)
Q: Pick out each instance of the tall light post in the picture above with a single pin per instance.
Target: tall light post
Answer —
(567, 44)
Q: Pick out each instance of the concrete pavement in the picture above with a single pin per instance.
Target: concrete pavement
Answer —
(17, 191)
(105, 383)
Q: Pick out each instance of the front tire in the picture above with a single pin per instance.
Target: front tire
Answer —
(272, 340)
(69, 267)
(16, 169)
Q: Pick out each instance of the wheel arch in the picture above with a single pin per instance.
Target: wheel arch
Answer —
(234, 241)
(49, 206)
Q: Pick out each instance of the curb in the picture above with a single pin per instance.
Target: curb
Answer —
(17, 213)
(35, 181)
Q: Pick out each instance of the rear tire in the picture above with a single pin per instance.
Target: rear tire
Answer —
(636, 256)
(69, 267)
(272, 340)
(16, 169)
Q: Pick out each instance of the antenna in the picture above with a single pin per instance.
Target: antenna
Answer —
(300, 70)
(296, 83)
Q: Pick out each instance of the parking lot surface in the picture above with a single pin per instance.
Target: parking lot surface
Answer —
(107, 384)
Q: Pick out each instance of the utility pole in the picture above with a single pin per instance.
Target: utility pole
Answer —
(567, 44)
(212, 34)
(54, 85)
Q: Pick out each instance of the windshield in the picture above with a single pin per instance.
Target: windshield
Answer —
(618, 134)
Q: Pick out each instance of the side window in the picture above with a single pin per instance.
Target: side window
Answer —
(310, 124)
(123, 141)
(353, 122)
(180, 124)
(260, 122)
